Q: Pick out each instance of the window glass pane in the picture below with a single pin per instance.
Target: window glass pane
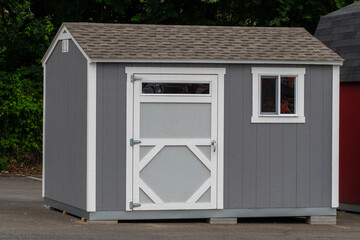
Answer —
(175, 120)
(268, 94)
(288, 95)
(175, 88)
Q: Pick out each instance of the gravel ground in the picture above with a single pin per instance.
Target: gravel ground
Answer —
(23, 216)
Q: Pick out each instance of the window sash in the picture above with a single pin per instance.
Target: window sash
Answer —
(278, 96)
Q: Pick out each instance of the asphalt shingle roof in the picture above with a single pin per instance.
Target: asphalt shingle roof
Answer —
(340, 31)
(137, 41)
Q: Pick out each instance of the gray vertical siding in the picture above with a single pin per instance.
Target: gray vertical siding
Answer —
(266, 165)
(111, 133)
(283, 165)
(65, 127)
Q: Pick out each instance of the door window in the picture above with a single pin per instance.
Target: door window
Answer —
(175, 88)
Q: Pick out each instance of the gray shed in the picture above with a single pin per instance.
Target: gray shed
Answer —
(161, 122)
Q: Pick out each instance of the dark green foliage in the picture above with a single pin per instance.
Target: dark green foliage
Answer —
(21, 110)
(23, 41)
(85, 10)
(184, 12)
(27, 26)
(23, 38)
(291, 13)
(3, 163)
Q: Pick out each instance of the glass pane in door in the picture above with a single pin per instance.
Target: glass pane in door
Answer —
(175, 120)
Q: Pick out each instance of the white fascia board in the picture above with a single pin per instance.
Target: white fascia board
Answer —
(91, 139)
(217, 61)
(60, 36)
(335, 137)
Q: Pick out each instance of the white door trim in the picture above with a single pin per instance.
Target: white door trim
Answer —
(219, 72)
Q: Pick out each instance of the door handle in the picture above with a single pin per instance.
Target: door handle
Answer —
(213, 143)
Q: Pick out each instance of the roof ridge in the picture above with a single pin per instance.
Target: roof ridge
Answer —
(179, 25)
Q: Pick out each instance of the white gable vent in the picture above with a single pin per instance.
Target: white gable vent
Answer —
(65, 45)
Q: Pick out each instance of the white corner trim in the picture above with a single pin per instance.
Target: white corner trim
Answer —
(300, 95)
(60, 35)
(335, 136)
(43, 138)
(219, 61)
(91, 139)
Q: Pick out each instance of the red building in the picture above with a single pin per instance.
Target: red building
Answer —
(340, 31)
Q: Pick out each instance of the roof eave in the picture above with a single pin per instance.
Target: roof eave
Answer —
(217, 61)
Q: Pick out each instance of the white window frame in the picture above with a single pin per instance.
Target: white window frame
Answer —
(298, 117)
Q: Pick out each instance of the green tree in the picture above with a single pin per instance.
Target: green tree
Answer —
(23, 41)
(85, 10)
(291, 13)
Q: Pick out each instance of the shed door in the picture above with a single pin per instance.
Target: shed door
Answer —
(175, 165)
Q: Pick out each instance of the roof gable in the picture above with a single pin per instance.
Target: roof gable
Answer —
(104, 41)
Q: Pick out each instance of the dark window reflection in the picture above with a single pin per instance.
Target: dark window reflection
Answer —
(268, 94)
(288, 95)
(175, 88)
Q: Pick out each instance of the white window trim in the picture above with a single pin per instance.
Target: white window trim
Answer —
(299, 117)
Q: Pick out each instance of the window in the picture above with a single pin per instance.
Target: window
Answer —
(65, 45)
(175, 88)
(278, 95)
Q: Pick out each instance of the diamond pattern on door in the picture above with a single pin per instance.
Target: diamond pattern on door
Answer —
(185, 174)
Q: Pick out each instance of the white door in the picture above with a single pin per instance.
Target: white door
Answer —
(175, 142)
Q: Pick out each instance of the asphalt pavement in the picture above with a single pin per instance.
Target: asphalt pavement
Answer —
(23, 216)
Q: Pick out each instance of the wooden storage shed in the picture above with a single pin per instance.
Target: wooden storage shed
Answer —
(160, 122)
(340, 31)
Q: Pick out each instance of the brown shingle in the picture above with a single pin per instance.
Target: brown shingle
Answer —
(137, 41)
